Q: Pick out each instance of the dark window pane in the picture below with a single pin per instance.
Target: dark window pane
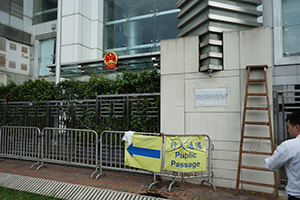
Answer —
(115, 36)
(114, 10)
(141, 35)
(291, 27)
(290, 12)
(166, 27)
(140, 7)
(133, 27)
(44, 11)
(163, 5)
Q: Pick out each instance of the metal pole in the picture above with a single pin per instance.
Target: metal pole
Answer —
(58, 42)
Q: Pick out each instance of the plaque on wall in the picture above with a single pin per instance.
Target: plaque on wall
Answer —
(210, 97)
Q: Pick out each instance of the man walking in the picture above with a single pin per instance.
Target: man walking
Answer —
(288, 154)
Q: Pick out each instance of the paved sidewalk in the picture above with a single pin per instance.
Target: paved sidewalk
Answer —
(126, 182)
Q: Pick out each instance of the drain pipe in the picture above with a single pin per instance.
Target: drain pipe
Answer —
(58, 42)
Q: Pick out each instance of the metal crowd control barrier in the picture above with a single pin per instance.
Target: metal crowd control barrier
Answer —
(76, 147)
(80, 148)
(187, 175)
(20, 142)
(112, 152)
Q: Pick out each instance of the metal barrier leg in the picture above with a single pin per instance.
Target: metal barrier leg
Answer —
(92, 175)
(210, 184)
(149, 188)
(100, 175)
(96, 170)
(170, 186)
(42, 165)
(154, 182)
(34, 165)
(40, 151)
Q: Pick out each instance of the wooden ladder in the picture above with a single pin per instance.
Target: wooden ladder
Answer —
(247, 108)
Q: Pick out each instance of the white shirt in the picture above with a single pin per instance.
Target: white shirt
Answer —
(128, 136)
(288, 154)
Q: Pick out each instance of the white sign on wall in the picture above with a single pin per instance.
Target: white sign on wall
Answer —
(210, 97)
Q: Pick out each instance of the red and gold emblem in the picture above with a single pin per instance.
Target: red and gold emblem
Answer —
(111, 59)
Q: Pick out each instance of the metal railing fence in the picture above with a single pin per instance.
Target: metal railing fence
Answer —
(112, 151)
(76, 147)
(2, 111)
(68, 114)
(79, 147)
(20, 142)
(140, 112)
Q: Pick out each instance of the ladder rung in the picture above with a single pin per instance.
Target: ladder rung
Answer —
(257, 94)
(257, 80)
(257, 108)
(257, 66)
(259, 153)
(260, 138)
(258, 184)
(255, 168)
(257, 123)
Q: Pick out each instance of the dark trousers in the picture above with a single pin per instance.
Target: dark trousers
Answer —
(293, 198)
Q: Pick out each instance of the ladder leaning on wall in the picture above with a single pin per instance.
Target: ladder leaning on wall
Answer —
(253, 123)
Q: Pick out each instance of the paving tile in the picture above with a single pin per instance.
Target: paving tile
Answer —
(126, 182)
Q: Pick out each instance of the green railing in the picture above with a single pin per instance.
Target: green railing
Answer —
(137, 112)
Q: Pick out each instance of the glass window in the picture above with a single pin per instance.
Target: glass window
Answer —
(114, 10)
(116, 35)
(291, 27)
(44, 11)
(133, 27)
(46, 56)
(162, 31)
(140, 7)
(140, 35)
(163, 5)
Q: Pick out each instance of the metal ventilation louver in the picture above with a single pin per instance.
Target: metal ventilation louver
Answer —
(23, 67)
(2, 60)
(2, 44)
(12, 46)
(12, 64)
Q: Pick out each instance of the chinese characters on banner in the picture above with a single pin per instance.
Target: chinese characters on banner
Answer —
(185, 154)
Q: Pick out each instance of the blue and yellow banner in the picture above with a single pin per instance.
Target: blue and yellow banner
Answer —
(185, 154)
(144, 152)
